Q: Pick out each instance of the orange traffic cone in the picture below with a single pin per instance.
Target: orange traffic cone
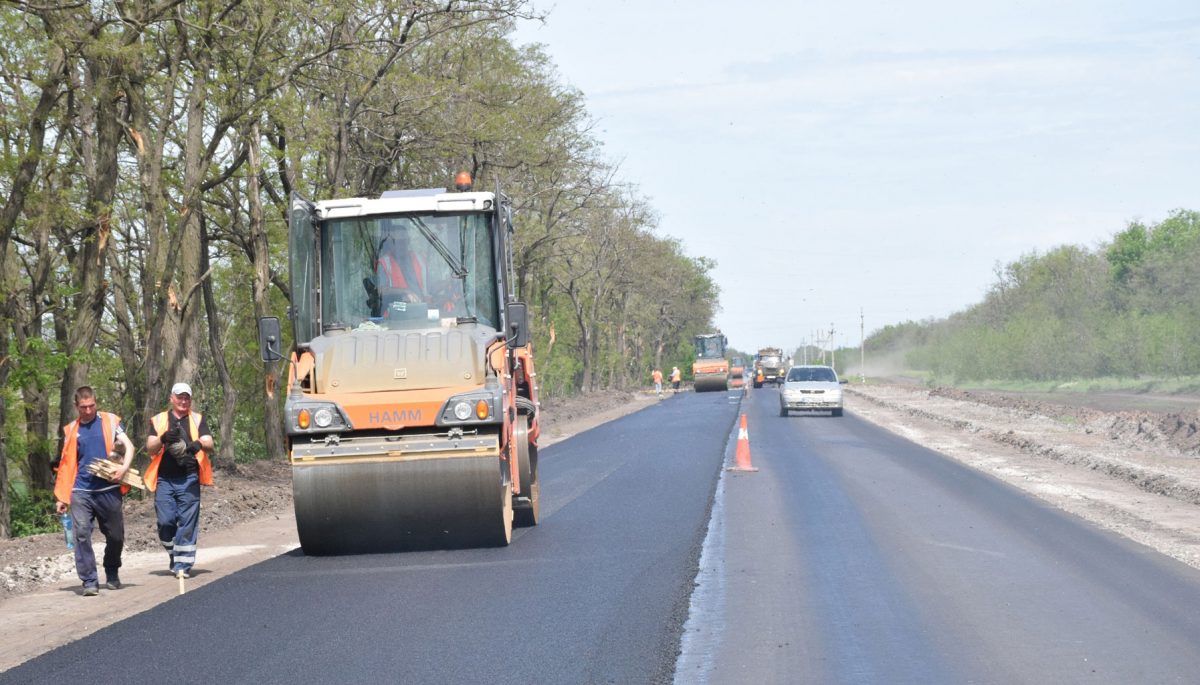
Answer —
(742, 455)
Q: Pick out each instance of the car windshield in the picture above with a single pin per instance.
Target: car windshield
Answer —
(816, 374)
(407, 270)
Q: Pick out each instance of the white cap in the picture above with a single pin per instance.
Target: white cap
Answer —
(181, 389)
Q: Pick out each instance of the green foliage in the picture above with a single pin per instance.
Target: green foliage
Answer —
(33, 513)
(1127, 309)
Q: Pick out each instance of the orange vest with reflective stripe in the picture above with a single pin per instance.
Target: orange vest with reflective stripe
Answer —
(159, 422)
(68, 465)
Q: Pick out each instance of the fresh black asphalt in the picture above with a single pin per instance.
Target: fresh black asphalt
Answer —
(597, 593)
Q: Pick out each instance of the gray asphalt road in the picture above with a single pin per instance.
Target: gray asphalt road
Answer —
(597, 593)
(853, 556)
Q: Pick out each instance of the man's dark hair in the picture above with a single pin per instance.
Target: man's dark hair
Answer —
(84, 392)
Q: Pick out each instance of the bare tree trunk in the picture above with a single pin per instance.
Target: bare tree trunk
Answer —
(260, 255)
(37, 436)
(102, 172)
(5, 368)
(132, 354)
(223, 459)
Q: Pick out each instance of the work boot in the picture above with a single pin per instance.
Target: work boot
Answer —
(91, 590)
(113, 583)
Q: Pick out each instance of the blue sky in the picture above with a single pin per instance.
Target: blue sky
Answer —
(884, 157)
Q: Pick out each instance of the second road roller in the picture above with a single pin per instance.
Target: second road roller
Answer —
(411, 411)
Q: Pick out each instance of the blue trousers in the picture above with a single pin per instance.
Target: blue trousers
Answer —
(103, 508)
(177, 504)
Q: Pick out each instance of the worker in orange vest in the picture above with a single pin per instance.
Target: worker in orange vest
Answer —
(183, 436)
(657, 376)
(92, 437)
(676, 378)
(401, 270)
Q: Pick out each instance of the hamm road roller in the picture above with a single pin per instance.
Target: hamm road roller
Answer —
(710, 370)
(411, 412)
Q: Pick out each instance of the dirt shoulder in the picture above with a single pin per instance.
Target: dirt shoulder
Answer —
(246, 518)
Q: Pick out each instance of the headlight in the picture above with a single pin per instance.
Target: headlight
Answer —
(316, 416)
(462, 410)
(480, 406)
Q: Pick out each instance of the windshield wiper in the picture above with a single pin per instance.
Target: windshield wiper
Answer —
(456, 267)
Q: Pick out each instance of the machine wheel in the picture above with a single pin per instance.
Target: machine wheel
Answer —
(783, 410)
(527, 508)
(837, 412)
(500, 534)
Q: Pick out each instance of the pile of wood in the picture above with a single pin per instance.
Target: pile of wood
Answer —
(108, 470)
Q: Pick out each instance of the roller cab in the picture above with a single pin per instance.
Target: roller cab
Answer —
(411, 413)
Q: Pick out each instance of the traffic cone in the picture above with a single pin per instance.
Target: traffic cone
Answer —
(742, 455)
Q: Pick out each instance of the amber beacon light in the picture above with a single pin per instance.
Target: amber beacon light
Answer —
(463, 181)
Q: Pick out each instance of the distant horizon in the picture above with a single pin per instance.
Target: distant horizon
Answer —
(921, 146)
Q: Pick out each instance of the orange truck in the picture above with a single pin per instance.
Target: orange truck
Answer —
(411, 415)
(710, 371)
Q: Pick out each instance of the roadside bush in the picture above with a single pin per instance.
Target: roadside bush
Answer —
(33, 513)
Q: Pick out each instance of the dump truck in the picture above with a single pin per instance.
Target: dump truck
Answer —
(710, 371)
(411, 411)
(769, 366)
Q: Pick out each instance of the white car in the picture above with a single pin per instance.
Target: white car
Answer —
(810, 388)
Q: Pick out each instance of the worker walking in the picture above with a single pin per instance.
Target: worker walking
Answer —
(183, 437)
(676, 378)
(657, 377)
(91, 437)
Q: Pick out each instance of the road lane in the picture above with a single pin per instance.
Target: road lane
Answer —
(855, 556)
(597, 593)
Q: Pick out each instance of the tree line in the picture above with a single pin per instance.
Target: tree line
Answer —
(147, 153)
(1127, 308)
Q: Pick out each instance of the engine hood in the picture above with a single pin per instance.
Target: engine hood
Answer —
(379, 361)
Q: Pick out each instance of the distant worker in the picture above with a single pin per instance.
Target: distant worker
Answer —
(183, 437)
(657, 376)
(92, 437)
(676, 378)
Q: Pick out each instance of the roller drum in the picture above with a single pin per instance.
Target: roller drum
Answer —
(713, 382)
(380, 505)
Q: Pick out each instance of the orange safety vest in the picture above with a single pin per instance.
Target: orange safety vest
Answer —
(395, 274)
(68, 465)
(676, 375)
(159, 422)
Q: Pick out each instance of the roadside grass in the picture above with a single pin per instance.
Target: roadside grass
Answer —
(1179, 385)
(1183, 385)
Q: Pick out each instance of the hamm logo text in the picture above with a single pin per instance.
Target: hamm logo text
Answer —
(397, 416)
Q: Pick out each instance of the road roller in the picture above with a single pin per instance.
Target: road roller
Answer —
(411, 411)
(737, 373)
(711, 369)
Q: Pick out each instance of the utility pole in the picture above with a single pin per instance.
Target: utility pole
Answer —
(862, 348)
(832, 352)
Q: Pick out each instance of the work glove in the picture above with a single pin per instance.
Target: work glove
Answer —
(171, 435)
(194, 447)
(184, 455)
